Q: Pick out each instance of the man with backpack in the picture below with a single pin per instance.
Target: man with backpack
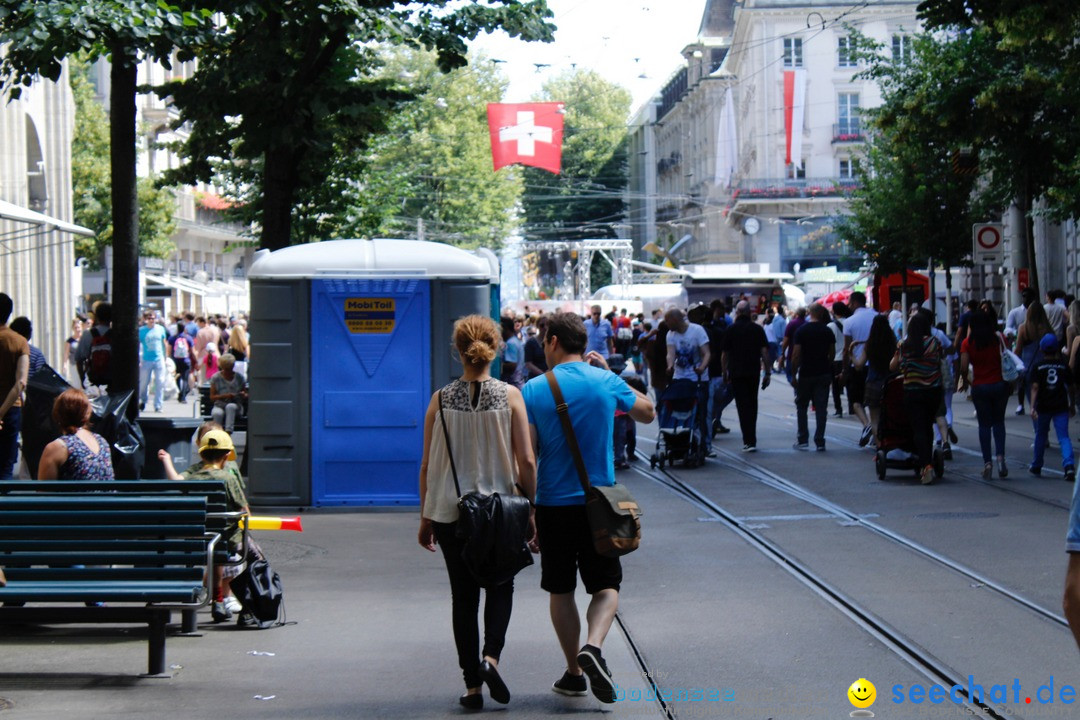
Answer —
(95, 347)
(180, 349)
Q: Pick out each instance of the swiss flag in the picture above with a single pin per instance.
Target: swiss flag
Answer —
(526, 134)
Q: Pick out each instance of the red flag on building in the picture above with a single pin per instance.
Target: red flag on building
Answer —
(526, 134)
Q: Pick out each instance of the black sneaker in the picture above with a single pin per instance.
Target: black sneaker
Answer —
(720, 429)
(867, 433)
(600, 682)
(1033, 470)
(952, 435)
(821, 448)
(248, 621)
(801, 446)
(571, 685)
(1070, 474)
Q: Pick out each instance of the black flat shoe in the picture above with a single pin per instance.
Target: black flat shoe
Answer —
(499, 692)
(472, 702)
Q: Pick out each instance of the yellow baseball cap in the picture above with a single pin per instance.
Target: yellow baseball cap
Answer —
(216, 440)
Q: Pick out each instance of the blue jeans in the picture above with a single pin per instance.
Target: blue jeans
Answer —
(152, 369)
(991, 401)
(812, 389)
(9, 442)
(1042, 430)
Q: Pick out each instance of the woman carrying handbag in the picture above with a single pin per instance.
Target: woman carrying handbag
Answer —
(476, 438)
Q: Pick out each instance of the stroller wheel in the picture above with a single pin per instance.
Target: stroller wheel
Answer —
(879, 464)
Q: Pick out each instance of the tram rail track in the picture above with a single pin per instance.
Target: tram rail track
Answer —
(969, 477)
(920, 659)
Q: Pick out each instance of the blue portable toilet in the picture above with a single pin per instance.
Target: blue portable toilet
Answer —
(349, 338)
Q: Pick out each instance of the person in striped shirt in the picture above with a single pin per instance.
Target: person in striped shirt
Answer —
(918, 357)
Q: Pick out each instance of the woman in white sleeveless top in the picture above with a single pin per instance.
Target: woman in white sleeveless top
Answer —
(492, 451)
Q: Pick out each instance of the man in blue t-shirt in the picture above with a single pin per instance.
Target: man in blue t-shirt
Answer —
(601, 338)
(152, 340)
(592, 393)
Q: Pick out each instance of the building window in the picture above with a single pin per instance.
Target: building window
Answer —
(901, 48)
(847, 169)
(793, 52)
(845, 52)
(847, 114)
(796, 172)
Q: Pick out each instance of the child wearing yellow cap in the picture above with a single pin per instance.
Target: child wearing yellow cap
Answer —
(215, 447)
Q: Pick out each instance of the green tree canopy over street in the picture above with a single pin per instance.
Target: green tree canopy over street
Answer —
(39, 35)
(285, 89)
(993, 78)
(586, 199)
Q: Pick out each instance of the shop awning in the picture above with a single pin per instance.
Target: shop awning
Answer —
(11, 211)
(182, 284)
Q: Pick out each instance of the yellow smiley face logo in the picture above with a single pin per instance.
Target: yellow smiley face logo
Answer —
(862, 693)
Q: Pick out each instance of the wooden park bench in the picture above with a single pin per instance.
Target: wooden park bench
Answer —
(111, 552)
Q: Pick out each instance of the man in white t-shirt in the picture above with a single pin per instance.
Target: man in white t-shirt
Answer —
(688, 356)
(856, 333)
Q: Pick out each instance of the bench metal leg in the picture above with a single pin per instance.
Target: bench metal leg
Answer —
(189, 622)
(158, 622)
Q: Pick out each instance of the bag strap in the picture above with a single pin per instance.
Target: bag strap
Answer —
(446, 437)
(563, 411)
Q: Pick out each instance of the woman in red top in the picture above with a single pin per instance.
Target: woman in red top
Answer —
(989, 392)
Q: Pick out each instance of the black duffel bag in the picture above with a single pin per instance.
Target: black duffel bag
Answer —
(493, 530)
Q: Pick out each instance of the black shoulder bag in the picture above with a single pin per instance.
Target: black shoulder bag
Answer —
(614, 515)
(493, 528)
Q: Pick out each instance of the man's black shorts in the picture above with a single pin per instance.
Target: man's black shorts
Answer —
(565, 546)
(856, 385)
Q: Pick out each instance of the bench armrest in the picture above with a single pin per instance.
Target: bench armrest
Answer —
(206, 595)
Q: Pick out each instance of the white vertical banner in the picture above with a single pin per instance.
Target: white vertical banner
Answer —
(727, 146)
(798, 115)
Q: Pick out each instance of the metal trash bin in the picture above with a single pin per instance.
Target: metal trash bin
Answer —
(169, 433)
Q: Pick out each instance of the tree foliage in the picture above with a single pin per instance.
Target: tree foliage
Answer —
(90, 182)
(911, 204)
(39, 35)
(586, 199)
(287, 89)
(434, 162)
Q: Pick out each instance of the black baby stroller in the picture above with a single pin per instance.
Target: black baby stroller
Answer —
(682, 425)
(895, 436)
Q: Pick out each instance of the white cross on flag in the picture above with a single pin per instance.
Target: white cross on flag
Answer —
(526, 134)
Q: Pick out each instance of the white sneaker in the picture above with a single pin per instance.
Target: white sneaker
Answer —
(233, 605)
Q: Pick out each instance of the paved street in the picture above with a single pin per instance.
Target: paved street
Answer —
(731, 605)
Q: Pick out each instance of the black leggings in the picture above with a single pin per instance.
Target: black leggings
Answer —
(465, 593)
(921, 406)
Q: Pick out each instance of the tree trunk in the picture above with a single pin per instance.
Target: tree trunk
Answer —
(125, 219)
(279, 187)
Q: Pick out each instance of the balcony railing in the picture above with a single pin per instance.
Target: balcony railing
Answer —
(848, 132)
(768, 189)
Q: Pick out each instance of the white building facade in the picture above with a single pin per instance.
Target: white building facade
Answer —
(37, 263)
(758, 137)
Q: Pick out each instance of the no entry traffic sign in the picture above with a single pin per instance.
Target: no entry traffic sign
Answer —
(988, 243)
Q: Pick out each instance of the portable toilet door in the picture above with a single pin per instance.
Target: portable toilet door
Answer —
(370, 386)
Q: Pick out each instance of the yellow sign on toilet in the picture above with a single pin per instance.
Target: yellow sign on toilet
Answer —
(370, 315)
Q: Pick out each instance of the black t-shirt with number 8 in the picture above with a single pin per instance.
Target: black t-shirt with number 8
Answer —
(1054, 380)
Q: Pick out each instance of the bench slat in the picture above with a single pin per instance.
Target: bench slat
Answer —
(166, 591)
(102, 531)
(119, 518)
(79, 556)
(105, 574)
(102, 545)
